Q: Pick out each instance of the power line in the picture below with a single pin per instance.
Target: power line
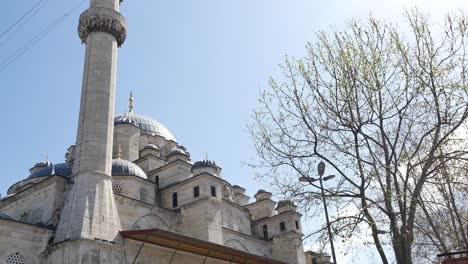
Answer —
(19, 27)
(37, 38)
(38, 4)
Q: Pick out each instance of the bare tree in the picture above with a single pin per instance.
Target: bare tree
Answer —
(386, 110)
(442, 221)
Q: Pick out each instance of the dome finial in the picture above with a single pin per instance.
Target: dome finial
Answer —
(206, 155)
(119, 153)
(130, 100)
(46, 157)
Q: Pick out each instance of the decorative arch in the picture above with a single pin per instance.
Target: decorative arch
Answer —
(236, 244)
(150, 221)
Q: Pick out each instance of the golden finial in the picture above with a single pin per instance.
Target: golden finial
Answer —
(119, 152)
(130, 100)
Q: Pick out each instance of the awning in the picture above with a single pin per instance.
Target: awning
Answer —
(185, 243)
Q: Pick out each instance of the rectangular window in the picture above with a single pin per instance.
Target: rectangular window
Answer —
(196, 191)
(174, 200)
(265, 232)
(297, 225)
(282, 226)
(213, 191)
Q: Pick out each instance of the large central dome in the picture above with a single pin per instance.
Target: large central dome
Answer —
(147, 125)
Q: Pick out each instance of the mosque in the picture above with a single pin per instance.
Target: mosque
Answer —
(128, 191)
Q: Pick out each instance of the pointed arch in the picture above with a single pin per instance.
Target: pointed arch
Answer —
(151, 221)
(236, 244)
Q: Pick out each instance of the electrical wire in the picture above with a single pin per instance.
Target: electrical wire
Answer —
(38, 37)
(8, 37)
(35, 8)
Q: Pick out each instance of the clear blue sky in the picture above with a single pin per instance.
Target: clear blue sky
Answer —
(195, 66)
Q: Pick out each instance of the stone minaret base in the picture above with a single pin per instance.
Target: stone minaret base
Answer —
(85, 251)
(90, 211)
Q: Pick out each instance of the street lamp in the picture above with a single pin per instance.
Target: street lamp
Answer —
(321, 171)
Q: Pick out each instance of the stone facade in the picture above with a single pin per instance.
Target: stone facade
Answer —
(129, 192)
(205, 207)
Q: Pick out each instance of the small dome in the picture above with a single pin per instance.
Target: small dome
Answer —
(122, 167)
(262, 191)
(285, 203)
(204, 163)
(61, 169)
(44, 163)
(177, 152)
(147, 125)
(6, 217)
(237, 186)
(151, 146)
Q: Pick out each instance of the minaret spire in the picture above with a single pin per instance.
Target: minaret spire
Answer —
(90, 213)
(119, 153)
(130, 101)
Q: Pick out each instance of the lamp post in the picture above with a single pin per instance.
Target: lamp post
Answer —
(321, 171)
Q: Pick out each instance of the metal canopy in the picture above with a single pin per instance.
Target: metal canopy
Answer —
(185, 243)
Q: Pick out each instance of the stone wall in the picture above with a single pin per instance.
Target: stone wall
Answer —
(236, 218)
(273, 224)
(24, 241)
(246, 243)
(185, 192)
(135, 187)
(38, 203)
(202, 219)
(136, 214)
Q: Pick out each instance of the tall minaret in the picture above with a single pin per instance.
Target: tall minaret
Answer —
(89, 212)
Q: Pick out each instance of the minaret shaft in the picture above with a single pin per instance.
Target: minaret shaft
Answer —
(95, 127)
(89, 210)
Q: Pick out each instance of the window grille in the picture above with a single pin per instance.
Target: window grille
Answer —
(117, 188)
(196, 191)
(15, 258)
(143, 194)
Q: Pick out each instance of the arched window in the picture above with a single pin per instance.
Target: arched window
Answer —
(174, 200)
(265, 231)
(157, 182)
(117, 188)
(143, 194)
(15, 258)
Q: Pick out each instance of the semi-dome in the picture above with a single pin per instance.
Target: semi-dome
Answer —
(147, 125)
(61, 169)
(122, 167)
